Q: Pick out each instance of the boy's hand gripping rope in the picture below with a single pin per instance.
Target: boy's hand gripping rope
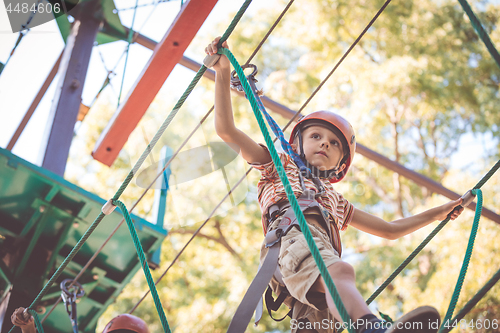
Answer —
(291, 197)
(211, 60)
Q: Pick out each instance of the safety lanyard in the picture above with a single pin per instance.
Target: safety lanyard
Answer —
(236, 84)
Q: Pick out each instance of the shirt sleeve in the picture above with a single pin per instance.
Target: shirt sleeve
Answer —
(345, 211)
(268, 170)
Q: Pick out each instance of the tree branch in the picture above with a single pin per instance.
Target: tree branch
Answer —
(221, 239)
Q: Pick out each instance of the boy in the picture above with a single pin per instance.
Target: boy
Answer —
(326, 143)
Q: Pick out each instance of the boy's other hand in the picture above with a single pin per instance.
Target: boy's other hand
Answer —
(449, 208)
(211, 49)
(18, 318)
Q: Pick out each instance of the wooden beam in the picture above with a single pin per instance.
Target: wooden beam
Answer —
(166, 55)
(60, 125)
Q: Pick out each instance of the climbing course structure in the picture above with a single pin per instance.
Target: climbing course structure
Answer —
(53, 220)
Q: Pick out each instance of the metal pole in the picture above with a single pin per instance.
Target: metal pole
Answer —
(160, 200)
(66, 103)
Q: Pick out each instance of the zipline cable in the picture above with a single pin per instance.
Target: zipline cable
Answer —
(480, 31)
(21, 35)
(129, 40)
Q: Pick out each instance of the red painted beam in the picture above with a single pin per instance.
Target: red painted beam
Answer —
(166, 55)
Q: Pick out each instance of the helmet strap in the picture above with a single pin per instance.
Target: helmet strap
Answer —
(332, 173)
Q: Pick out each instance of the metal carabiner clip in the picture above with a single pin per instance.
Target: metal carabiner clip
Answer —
(69, 294)
(236, 83)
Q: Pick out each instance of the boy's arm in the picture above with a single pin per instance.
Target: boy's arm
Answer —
(393, 230)
(224, 121)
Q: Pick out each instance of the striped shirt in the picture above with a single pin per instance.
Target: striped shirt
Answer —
(271, 191)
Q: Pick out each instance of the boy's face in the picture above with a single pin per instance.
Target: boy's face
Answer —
(322, 148)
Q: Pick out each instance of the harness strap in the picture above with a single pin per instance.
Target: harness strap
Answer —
(254, 293)
(274, 305)
(252, 300)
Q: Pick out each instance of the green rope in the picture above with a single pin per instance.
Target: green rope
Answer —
(233, 23)
(480, 31)
(474, 300)
(38, 324)
(176, 108)
(405, 263)
(465, 264)
(144, 264)
(289, 192)
(136, 167)
(487, 176)
(129, 41)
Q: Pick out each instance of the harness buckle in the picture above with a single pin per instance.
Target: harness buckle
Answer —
(273, 237)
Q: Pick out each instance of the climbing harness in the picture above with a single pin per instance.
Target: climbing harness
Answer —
(209, 63)
(253, 297)
(273, 237)
(69, 296)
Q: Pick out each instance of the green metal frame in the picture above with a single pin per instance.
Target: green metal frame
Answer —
(42, 216)
(112, 29)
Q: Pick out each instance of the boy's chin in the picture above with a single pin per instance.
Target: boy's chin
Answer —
(320, 167)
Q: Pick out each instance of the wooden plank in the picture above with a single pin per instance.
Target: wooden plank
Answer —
(165, 56)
